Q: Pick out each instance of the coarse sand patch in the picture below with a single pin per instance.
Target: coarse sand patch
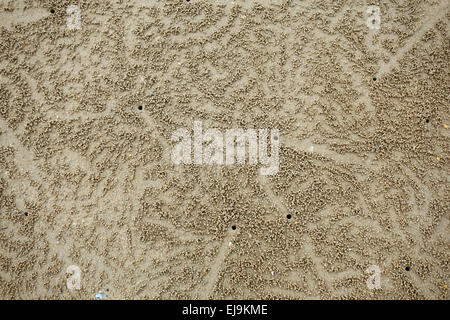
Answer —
(89, 100)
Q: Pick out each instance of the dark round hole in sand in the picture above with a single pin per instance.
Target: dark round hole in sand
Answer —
(407, 268)
(140, 107)
(374, 79)
(288, 216)
(427, 120)
(26, 214)
(52, 10)
(233, 227)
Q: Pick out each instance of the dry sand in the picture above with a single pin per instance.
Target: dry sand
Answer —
(86, 177)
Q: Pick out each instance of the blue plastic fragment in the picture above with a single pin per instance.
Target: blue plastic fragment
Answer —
(99, 296)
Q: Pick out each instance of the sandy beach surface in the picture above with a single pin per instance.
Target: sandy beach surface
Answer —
(91, 201)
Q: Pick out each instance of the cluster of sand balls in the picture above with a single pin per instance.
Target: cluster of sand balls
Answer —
(88, 127)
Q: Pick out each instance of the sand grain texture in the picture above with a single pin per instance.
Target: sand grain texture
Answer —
(86, 177)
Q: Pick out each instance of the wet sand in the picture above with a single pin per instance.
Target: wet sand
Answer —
(86, 178)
